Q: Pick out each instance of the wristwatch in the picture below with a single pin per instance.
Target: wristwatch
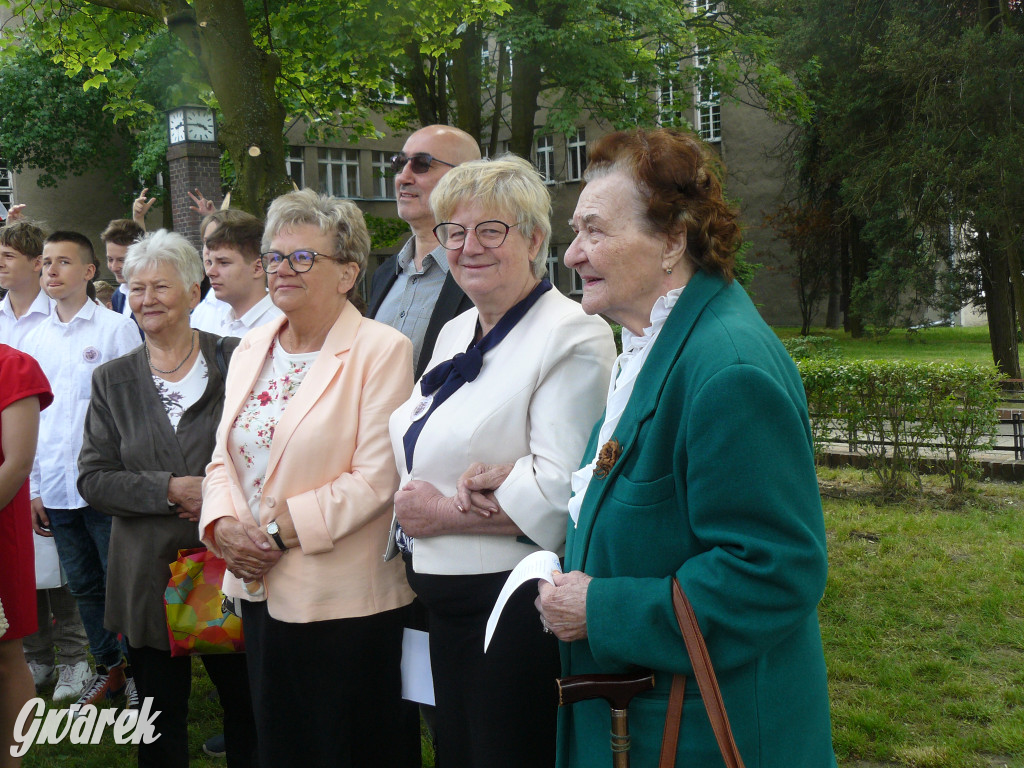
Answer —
(275, 533)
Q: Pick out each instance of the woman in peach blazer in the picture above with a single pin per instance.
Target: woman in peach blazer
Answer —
(297, 500)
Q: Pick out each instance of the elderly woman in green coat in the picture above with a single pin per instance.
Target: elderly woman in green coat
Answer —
(702, 469)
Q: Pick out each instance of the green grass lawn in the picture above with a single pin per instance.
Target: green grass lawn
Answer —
(927, 345)
(923, 627)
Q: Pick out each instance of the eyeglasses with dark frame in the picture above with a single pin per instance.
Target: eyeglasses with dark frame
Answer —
(490, 234)
(421, 162)
(300, 261)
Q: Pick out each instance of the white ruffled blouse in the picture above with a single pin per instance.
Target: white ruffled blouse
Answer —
(635, 350)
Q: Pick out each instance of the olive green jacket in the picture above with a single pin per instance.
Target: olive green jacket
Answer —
(715, 485)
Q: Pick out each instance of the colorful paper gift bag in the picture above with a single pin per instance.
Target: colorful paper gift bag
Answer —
(196, 619)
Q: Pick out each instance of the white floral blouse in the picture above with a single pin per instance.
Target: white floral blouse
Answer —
(178, 396)
(253, 430)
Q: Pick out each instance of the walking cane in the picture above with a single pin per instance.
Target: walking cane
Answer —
(618, 691)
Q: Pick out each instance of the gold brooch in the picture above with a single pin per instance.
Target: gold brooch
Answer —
(607, 457)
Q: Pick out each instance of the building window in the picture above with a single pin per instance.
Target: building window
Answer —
(553, 261)
(6, 186)
(576, 148)
(575, 283)
(669, 97)
(709, 102)
(339, 171)
(704, 6)
(383, 179)
(709, 122)
(295, 167)
(546, 158)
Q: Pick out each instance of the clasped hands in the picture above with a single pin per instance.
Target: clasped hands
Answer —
(185, 495)
(247, 550)
(423, 511)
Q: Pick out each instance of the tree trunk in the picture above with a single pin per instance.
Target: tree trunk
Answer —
(999, 305)
(834, 288)
(858, 272)
(243, 79)
(524, 95)
(466, 79)
(499, 94)
(417, 85)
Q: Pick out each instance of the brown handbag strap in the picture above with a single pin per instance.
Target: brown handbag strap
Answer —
(674, 715)
(706, 682)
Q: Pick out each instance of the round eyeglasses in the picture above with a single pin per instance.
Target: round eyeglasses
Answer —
(490, 234)
(299, 261)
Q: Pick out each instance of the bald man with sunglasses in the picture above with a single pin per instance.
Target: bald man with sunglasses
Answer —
(412, 291)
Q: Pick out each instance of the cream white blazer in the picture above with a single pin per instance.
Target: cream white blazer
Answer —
(538, 395)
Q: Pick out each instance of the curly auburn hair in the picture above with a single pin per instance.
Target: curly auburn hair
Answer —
(677, 182)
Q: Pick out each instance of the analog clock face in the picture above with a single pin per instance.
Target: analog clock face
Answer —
(199, 125)
(176, 125)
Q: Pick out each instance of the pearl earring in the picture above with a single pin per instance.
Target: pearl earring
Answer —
(668, 271)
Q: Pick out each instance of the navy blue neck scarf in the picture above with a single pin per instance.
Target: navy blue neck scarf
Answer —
(442, 381)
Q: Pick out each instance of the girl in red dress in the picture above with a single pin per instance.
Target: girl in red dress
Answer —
(24, 392)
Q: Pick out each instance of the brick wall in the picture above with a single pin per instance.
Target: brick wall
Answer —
(193, 165)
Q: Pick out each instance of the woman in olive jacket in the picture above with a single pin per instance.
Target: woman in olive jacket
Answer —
(149, 434)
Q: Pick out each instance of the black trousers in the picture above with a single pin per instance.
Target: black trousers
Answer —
(329, 693)
(168, 681)
(498, 709)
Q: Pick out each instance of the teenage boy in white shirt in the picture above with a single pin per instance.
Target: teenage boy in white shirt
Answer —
(25, 305)
(231, 258)
(76, 338)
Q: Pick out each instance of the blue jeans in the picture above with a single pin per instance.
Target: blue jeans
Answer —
(82, 537)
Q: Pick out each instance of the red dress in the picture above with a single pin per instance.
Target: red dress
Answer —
(20, 377)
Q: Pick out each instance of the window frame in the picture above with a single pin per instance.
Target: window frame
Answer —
(346, 162)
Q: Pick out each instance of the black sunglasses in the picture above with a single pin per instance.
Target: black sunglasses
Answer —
(421, 162)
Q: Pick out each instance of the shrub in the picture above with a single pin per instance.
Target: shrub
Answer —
(812, 347)
(891, 410)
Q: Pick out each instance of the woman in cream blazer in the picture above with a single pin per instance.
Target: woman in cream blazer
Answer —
(486, 445)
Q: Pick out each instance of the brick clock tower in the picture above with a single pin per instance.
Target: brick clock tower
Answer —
(194, 161)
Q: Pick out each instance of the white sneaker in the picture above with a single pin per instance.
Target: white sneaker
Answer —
(131, 694)
(42, 674)
(72, 681)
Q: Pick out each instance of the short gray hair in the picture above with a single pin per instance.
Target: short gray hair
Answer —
(163, 247)
(509, 184)
(331, 215)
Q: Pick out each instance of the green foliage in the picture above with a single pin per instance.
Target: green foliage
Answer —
(913, 149)
(745, 270)
(894, 410)
(808, 347)
(385, 231)
(52, 123)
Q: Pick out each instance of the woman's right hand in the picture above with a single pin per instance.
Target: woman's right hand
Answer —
(475, 489)
(246, 550)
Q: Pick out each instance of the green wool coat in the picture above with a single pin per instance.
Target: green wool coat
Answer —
(716, 485)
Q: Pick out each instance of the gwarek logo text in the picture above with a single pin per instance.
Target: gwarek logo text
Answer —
(84, 725)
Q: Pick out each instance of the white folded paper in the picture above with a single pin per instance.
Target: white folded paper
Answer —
(417, 680)
(537, 565)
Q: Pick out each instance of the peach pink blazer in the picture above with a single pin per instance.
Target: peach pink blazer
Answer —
(331, 463)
